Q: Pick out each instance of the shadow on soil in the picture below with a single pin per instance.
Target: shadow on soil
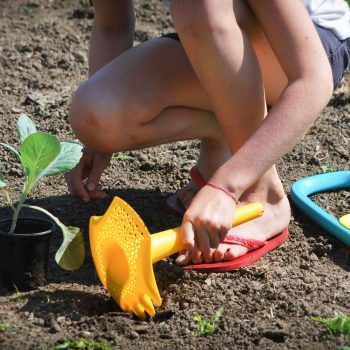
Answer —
(322, 242)
(74, 212)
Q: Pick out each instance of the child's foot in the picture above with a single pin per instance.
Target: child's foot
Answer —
(269, 192)
(212, 155)
(186, 194)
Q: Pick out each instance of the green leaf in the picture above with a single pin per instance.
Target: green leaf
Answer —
(2, 178)
(37, 152)
(122, 156)
(71, 254)
(197, 317)
(25, 127)
(339, 324)
(217, 315)
(67, 159)
(4, 325)
(12, 149)
(207, 326)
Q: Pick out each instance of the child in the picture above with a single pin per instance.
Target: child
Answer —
(235, 59)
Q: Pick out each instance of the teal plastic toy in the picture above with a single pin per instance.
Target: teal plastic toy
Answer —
(303, 188)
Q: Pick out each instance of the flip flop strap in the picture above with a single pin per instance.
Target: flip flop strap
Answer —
(197, 177)
(251, 244)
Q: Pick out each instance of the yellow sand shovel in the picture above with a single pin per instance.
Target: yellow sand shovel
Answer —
(123, 252)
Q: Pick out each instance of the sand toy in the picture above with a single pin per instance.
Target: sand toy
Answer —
(303, 188)
(123, 252)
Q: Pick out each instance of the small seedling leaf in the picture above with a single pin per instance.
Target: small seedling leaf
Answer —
(2, 179)
(207, 326)
(339, 324)
(83, 344)
(67, 159)
(197, 317)
(4, 325)
(217, 315)
(37, 152)
(12, 149)
(326, 169)
(122, 156)
(71, 254)
(25, 127)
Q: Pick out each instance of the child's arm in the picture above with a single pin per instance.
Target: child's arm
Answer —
(228, 74)
(112, 31)
(296, 44)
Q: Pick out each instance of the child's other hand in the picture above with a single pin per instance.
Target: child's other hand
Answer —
(207, 222)
(90, 167)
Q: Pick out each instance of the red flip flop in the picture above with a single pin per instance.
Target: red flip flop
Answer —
(259, 249)
(173, 204)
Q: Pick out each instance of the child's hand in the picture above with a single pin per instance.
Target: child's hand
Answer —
(90, 167)
(207, 221)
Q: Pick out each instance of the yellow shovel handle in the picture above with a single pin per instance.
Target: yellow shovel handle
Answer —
(168, 242)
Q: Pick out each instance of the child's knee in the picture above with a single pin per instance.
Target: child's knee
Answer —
(81, 114)
(107, 124)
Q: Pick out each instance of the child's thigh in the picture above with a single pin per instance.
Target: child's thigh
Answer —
(274, 78)
(217, 16)
(144, 80)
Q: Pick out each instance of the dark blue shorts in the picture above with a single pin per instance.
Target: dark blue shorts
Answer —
(338, 52)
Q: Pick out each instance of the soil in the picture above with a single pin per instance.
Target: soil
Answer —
(268, 305)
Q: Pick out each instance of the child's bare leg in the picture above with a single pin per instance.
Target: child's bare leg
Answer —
(239, 103)
(129, 103)
(147, 96)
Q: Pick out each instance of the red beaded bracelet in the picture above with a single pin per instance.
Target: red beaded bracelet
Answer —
(226, 192)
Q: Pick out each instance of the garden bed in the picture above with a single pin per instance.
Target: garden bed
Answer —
(270, 305)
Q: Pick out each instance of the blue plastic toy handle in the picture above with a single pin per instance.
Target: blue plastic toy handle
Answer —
(303, 188)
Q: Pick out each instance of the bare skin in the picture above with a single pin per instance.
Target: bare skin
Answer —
(194, 99)
(228, 51)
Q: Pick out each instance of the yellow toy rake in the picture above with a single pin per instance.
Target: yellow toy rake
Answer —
(123, 252)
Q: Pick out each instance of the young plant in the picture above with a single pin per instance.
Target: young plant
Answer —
(207, 326)
(42, 154)
(83, 344)
(17, 295)
(4, 325)
(122, 156)
(326, 169)
(338, 325)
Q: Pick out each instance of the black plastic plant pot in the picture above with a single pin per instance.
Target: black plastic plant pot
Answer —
(24, 255)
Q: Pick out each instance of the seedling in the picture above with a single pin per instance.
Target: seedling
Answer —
(338, 325)
(42, 154)
(207, 326)
(47, 299)
(17, 294)
(326, 169)
(4, 325)
(83, 344)
(122, 156)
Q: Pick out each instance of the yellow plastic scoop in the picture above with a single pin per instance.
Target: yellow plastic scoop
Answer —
(123, 252)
